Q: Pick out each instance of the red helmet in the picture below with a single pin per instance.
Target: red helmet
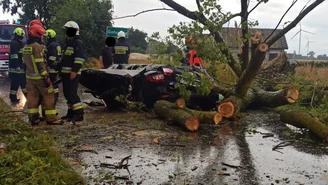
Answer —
(37, 31)
(35, 22)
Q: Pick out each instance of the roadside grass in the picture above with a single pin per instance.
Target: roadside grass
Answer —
(312, 84)
(30, 156)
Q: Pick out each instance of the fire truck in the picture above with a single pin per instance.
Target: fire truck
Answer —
(6, 35)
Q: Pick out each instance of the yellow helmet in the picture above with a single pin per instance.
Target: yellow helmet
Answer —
(50, 33)
(19, 32)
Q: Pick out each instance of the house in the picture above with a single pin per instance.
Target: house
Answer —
(230, 36)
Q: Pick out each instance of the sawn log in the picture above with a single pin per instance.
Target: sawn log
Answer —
(304, 120)
(168, 111)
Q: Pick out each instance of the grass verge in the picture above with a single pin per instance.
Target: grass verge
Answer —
(30, 156)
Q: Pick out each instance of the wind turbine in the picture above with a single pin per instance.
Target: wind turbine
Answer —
(308, 44)
(300, 37)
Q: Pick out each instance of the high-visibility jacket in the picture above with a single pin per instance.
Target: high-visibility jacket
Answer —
(73, 56)
(35, 62)
(15, 56)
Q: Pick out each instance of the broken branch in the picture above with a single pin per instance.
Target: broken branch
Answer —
(294, 22)
(142, 12)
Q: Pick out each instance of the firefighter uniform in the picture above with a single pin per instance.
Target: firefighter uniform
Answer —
(121, 50)
(38, 83)
(53, 55)
(15, 62)
(72, 60)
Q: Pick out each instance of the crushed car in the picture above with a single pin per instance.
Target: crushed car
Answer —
(146, 83)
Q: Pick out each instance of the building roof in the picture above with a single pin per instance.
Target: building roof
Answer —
(229, 35)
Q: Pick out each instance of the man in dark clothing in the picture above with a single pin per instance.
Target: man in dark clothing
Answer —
(121, 50)
(16, 66)
(70, 71)
(53, 56)
(106, 58)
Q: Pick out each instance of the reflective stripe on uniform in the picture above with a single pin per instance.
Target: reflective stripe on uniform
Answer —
(52, 71)
(13, 70)
(69, 51)
(33, 111)
(78, 60)
(121, 50)
(50, 112)
(38, 60)
(53, 58)
(34, 76)
(43, 73)
(77, 106)
(68, 70)
(14, 56)
(13, 92)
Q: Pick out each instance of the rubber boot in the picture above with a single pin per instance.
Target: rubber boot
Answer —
(68, 116)
(35, 120)
(13, 98)
(76, 118)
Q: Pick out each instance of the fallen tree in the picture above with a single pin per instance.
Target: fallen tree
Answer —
(245, 92)
(184, 117)
(304, 120)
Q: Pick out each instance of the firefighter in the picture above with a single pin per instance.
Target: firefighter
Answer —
(16, 66)
(38, 81)
(53, 56)
(121, 50)
(70, 71)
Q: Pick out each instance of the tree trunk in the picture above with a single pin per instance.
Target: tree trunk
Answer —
(304, 120)
(251, 71)
(168, 111)
(210, 117)
(277, 98)
(204, 117)
(259, 97)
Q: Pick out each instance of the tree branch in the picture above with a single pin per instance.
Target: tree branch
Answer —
(145, 11)
(244, 32)
(200, 8)
(294, 2)
(254, 7)
(234, 63)
(294, 22)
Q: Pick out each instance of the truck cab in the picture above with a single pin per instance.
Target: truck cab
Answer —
(6, 35)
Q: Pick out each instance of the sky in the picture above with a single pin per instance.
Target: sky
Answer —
(268, 16)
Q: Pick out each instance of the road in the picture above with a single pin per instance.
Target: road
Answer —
(164, 154)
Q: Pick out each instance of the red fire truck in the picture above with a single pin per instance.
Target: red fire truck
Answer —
(6, 34)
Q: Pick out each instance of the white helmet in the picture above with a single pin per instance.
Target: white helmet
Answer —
(72, 24)
(120, 34)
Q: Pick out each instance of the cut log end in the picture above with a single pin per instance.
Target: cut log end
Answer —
(263, 47)
(181, 103)
(226, 109)
(192, 124)
(292, 95)
(217, 118)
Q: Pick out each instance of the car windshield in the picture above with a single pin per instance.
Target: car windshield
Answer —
(6, 33)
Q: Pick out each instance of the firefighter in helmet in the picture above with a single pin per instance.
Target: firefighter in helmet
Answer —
(38, 81)
(16, 65)
(53, 56)
(70, 71)
(121, 50)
